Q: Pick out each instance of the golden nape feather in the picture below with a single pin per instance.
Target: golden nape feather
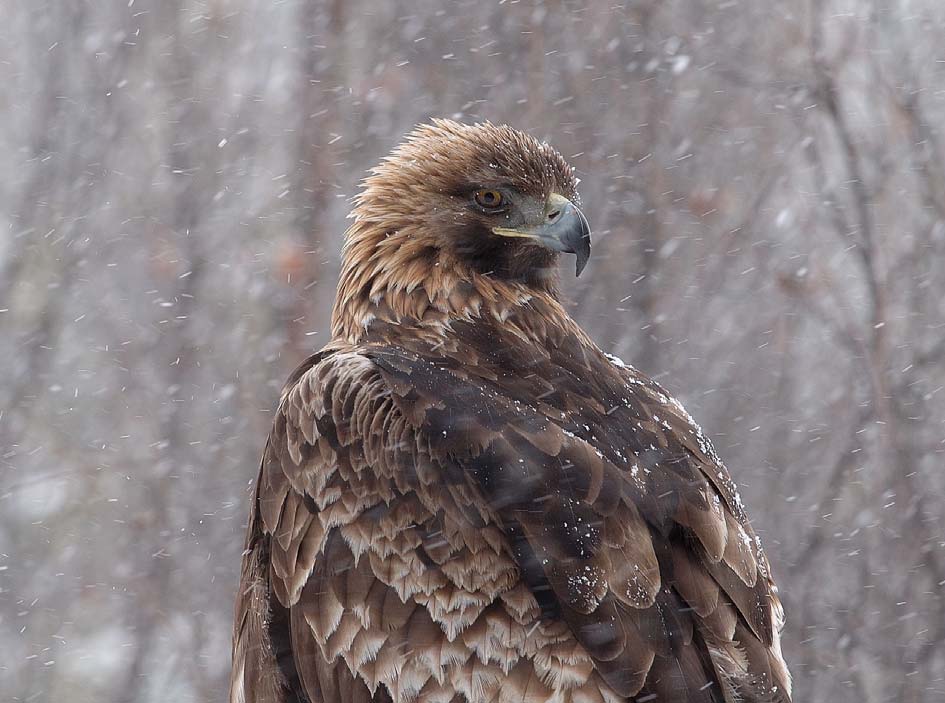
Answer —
(464, 500)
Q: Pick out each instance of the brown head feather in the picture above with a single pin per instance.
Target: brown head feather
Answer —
(416, 241)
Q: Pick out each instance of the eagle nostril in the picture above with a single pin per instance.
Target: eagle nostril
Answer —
(554, 215)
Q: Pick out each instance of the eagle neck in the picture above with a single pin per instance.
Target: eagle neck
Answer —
(388, 280)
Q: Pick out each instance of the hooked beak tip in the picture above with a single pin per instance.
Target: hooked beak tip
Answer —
(577, 239)
(581, 263)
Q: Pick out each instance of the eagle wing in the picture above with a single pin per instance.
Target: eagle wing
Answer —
(289, 602)
(371, 575)
(409, 495)
(623, 521)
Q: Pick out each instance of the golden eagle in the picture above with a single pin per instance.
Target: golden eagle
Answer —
(464, 500)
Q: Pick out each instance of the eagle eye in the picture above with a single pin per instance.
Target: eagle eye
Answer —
(489, 199)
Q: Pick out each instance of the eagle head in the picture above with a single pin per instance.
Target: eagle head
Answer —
(480, 198)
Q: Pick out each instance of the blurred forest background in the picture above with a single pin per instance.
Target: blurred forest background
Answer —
(766, 185)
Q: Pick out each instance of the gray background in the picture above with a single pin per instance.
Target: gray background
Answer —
(765, 182)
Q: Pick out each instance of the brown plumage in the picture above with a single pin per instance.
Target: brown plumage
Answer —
(463, 500)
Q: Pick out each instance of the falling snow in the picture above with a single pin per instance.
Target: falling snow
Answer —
(764, 183)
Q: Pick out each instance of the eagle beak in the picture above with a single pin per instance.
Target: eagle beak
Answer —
(563, 227)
